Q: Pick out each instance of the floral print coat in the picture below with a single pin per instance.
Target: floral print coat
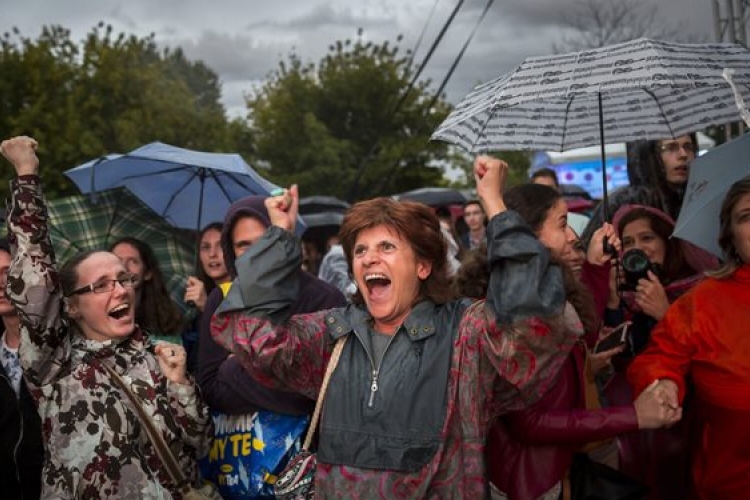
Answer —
(95, 447)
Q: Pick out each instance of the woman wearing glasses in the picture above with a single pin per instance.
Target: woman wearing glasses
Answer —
(658, 173)
(73, 324)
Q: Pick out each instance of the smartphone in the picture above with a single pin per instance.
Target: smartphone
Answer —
(617, 337)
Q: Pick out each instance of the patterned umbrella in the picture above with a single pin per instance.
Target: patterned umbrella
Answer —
(77, 224)
(642, 89)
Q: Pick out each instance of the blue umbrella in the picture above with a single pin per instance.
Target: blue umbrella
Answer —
(711, 176)
(188, 188)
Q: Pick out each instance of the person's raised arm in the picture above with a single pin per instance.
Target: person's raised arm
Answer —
(254, 321)
(32, 284)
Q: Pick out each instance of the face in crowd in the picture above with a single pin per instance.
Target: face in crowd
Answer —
(102, 300)
(246, 231)
(133, 261)
(555, 234)
(640, 235)
(388, 274)
(474, 216)
(676, 155)
(212, 257)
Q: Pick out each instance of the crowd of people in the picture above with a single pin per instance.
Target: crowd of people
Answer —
(502, 362)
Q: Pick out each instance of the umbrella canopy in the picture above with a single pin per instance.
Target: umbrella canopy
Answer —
(433, 196)
(320, 204)
(322, 219)
(642, 89)
(188, 188)
(78, 224)
(711, 175)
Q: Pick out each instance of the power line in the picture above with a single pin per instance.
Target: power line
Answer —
(421, 35)
(353, 190)
(387, 179)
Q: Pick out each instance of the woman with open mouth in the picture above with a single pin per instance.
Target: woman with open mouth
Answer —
(78, 334)
(421, 375)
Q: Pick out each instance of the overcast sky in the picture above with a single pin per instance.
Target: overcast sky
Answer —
(243, 40)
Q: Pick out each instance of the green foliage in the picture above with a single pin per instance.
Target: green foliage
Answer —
(344, 128)
(109, 93)
(518, 163)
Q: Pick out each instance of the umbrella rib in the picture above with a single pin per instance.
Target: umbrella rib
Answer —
(565, 122)
(160, 172)
(484, 127)
(661, 110)
(224, 189)
(175, 193)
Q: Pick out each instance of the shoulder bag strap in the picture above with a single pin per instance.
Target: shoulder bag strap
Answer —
(157, 440)
(335, 355)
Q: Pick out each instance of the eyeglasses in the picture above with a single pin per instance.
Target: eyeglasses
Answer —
(104, 286)
(674, 147)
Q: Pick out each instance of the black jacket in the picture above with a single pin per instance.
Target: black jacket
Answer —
(21, 444)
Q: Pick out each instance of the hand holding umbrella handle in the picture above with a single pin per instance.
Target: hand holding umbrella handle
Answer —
(21, 152)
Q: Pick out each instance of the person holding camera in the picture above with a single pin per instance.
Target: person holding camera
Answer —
(653, 271)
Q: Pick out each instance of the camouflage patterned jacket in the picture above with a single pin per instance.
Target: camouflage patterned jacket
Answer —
(414, 427)
(95, 446)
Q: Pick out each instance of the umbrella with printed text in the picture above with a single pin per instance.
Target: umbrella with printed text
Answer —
(641, 89)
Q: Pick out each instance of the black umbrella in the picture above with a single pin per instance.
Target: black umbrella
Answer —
(318, 204)
(433, 196)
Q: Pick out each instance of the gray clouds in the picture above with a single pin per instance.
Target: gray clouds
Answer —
(243, 40)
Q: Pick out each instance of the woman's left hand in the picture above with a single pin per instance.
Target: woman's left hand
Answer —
(173, 362)
(651, 296)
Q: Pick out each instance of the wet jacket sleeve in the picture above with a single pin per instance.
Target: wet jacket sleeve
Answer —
(549, 427)
(596, 280)
(228, 387)
(190, 413)
(33, 286)
(525, 338)
(523, 282)
(255, 322)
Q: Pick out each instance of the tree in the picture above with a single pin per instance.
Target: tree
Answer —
(347, 127)
(518, 163)
(110, 93)
(597, 23)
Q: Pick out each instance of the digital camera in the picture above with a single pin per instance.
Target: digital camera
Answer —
(636, 265)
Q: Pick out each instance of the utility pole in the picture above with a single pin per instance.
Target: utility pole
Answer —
(730, 25)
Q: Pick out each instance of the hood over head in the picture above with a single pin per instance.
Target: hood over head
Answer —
(250, 206)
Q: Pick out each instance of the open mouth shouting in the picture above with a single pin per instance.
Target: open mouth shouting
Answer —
(121, 312)
(378, 285)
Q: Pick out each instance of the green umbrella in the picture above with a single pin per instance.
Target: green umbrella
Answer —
(80, 223)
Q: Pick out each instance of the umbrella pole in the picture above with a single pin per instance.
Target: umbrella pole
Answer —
(608, 248)
(202, 177)
(605, 199)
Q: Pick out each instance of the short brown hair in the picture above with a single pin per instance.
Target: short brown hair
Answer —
(414, 222)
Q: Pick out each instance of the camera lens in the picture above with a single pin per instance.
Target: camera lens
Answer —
(635, 261)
